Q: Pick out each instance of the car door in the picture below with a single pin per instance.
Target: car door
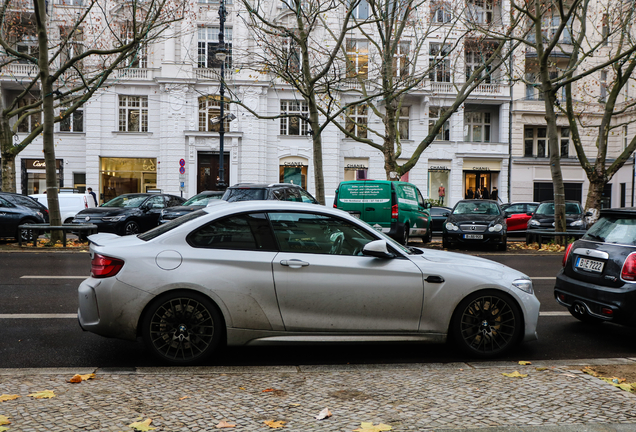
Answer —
(9, 218)
(517, 220)
(151, 211)
(422, 225)
(324, 283)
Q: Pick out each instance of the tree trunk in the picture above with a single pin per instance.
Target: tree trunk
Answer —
(314, 124)
(594, 196)
(7, 156)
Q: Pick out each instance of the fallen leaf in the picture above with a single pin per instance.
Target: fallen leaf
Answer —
(275, 424)
(77, 378)
(142, 426)
(524, 363)
(269, 390)
(4, 420)
(294, 404)
(223, 424)
(6, 397)
(45, 394)
(368, 427)
(323, 414)
(540, 369)
(3, 429)
(569, 375)
(185, 397)
(242, 388)
(515, 374)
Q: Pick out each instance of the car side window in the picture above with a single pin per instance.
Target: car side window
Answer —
(515, 209)
(292, 194)
(239, 232)
(420, 199)
(304, 195)
(5, 203)
(278, 194)
(532, 208)
(318, 234)
(155, 202)
(172, 201)
(24, 201)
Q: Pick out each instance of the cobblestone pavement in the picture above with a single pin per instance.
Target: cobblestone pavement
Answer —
(413, 397)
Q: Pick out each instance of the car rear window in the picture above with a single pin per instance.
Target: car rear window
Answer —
(168, 226)
(245, 194)
(613, 230)
(548, 209)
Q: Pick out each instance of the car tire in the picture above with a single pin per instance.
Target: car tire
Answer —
(445, 243)
(131, 228)
(585, 318)
(487, 324)
(503, 246)
(182, 327)
(27, 236)
(405, 235)
(429, 235)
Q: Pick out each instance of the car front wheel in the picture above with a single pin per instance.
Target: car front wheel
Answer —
(487, 324)
(182, 328)
(131, 227)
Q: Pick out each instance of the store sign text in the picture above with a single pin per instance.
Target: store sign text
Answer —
(477, 168)
(296, 164)
(438, 168)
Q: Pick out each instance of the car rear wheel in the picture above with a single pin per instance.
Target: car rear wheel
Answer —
(131, 227)
(405, 235)
(27, 235)
(487, 324)
(182, 328)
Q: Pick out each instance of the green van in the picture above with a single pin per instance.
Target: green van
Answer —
(392, 207)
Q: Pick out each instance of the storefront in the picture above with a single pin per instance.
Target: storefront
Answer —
(355, 168)
(438, 178)
(126, 175)
(480, 176)
(208, 170)
(293, 170)
(34, 175)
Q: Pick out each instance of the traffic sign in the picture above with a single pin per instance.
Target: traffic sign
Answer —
(181, 170)
(181, 162)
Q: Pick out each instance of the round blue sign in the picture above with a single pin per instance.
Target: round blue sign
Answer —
(182, 163)
(181, 170)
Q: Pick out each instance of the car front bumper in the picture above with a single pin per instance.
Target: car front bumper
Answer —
(621, 301)
(487, 237)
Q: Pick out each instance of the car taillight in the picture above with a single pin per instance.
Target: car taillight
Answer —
(103, 266)
(628, 272)
(394, 211)
(567, 254)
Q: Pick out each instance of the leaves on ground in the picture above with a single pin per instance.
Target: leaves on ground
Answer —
(184, 397)
(4, 420)
(525, 363)
(323, 414)
(267, 390)
(541, 369)
(615, 381)
(3, 429)
(515, 374)
(223, 424)
(77, 378)
(142, 426)
(275, 424)
(7, 397)
(44, 394)
(369, 427)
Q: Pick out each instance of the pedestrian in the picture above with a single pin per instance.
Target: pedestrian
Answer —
(484, 193)
(469, 193)
(477, 193)
(441, 192)
(494, 195)
(91, 193)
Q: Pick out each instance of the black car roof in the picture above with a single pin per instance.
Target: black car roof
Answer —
(622, 212)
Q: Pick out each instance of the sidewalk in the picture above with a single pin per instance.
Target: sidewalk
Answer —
(407, 397)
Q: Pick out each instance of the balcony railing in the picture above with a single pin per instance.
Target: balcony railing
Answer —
(450, 88)
(19, 70)
(213, 73)
(133, 73)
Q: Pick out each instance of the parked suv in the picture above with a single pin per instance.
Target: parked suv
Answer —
(543, 218)
(195, 203)
(17, 209)
(70, 204)
(394, 208)
(598, 279)
(274, 191)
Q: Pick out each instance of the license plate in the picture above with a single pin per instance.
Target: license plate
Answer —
(591, 265)
(474, 236)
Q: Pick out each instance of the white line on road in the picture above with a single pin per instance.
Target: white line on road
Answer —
(543, 278)
(53, 277)
(554, 313)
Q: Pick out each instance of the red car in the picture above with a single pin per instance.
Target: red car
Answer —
(518, 214)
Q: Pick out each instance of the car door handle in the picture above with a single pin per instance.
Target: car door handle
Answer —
(369, 209)
(294, 263)
(434, 279)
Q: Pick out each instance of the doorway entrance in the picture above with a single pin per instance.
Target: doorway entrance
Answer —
(478, 180)
(208, 170)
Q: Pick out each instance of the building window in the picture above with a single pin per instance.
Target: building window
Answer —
(31, 122)
(361, 11)
(565, 142)
(403, 122)
(133, 113)
(208, 45)
(357, 58)
(401, 60)
(439, 62)
(605, 29)
(357, 119)
(603, 86)
(69, 2)
(209, 112)
(74, 122)
(294, 125)
(291, 54)
(355, 169)
(476, 127)
(480, 11)
(28, 46)
(535, 141)
(434, 114)
(73, 44)
(476, 56)
(227, 2)
(625, 137)
(79, 182)
(440, 12)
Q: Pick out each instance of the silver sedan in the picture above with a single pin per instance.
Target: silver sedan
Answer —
(276, 272)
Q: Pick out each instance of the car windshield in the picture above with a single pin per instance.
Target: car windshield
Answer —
(245, 194)
(201, 200)
(168, 226)
(548, 209)
(126, 201)
(613, 230)
(475, 207)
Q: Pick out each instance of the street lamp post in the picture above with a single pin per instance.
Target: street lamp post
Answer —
(221, 55)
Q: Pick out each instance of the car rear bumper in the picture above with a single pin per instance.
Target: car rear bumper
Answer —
(594, 298)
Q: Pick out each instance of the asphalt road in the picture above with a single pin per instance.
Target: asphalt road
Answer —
(39, 328)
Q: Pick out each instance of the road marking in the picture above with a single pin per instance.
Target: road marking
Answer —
(37, 316)
(543, 278)
(554, 313)
(53, 277)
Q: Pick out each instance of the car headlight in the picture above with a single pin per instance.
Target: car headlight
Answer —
(524, 285)
(163, 212)
(113, 218)
(534, 223)
(40, 214)
(496, 228)
(451, 226)
(577, 223)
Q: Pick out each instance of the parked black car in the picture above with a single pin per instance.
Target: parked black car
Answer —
(274, 191)
(16, 210)
(195, 203)
(128, 213)
(475, 222)
(598, 279)
(543, 218)
(438, 218)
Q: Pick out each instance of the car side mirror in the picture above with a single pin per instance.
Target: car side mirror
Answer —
(529, 214)
(588, 214)
(507, 215)
(447, 214)
(378, 249)
(428, 206)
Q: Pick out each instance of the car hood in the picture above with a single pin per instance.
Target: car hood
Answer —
(472, 217)
(105, 211)
(550, 218)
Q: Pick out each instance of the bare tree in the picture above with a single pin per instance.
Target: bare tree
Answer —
(68, 67)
